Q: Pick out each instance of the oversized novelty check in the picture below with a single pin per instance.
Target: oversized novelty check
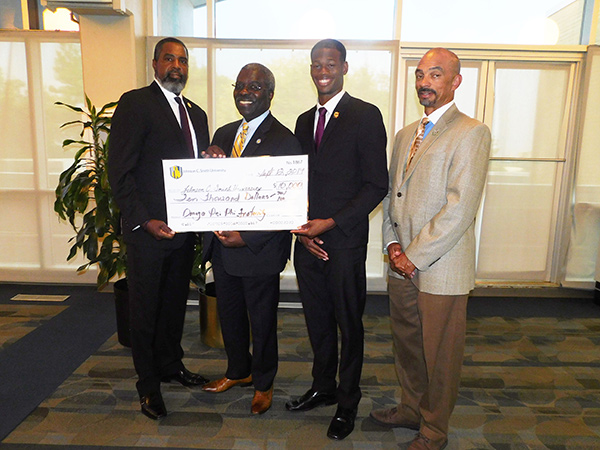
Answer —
(236, 194)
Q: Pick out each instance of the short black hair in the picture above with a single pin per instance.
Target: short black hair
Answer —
(330, 43)
(159, 45)
(269, 77)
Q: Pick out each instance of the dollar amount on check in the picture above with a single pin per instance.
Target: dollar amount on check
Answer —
(236, 194)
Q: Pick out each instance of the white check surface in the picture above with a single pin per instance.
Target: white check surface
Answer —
(236, 194)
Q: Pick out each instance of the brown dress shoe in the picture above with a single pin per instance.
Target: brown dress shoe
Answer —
(421, 442)
(225, 383)
(393, 418)
(262, 401)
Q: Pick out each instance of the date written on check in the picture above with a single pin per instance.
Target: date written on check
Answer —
(236, 194)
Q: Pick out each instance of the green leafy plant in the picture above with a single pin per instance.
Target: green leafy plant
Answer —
(84, 197)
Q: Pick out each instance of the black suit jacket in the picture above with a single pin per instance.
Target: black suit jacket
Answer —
(348, 175)
(145, 131)
(266, 252)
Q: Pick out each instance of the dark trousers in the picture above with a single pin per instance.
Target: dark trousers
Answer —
(333, 295)
(158, 281)
(246, 303)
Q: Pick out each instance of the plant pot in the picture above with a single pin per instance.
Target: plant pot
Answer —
(122, 308)
(210, 325)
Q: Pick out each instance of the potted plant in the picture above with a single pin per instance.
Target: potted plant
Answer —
(84, 198)
(210, 326)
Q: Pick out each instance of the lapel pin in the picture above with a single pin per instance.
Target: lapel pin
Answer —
(258, 141)
(336, 115)
(435, 132)
(189, 105)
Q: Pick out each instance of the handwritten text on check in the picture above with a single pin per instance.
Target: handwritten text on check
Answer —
(236, 194)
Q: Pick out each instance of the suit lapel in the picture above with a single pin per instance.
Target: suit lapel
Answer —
(169, 115)
(309, 126)
(438, 130)
(228, 145)
(253, 145)
(197, 126)
(334, 120)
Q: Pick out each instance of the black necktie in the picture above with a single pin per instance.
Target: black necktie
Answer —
(185, 127)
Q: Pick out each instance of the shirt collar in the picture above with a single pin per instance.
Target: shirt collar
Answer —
(435, 116)
(168, 94)
(255, 123)
(332, 102)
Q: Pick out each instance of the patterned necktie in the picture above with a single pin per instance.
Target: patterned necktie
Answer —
(417, 141)
(185, 127)
(238, 145)
(320, 126)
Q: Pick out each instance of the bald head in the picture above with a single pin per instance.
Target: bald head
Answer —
(437, 77)
(445, 54)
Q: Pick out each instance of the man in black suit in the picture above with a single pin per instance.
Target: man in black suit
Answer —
(346, 142)
(145, 130)
(247, 264)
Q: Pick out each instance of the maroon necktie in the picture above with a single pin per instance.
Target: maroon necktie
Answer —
(185, 127)
(320, 126)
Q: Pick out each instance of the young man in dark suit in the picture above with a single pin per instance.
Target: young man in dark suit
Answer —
(346, 142)
(151, 124)
(247, 264)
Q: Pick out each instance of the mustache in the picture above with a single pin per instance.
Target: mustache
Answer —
(170, 72)
(432, 91)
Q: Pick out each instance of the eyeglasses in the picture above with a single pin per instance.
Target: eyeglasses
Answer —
(252, 87)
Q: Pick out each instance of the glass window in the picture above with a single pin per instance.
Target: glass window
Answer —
(493, 22)
(16, 152)
(368, 78)
(529, 110)
(587, 189)
(196, 87)
(200, 22)
(31, 154)
(175, 18)
(305, 19)
(19, 239)
(584, 246)
(62, 81)
(518, 195)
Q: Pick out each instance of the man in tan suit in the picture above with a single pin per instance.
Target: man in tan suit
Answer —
(428, 232)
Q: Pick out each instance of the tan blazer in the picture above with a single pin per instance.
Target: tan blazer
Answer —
(431, 209)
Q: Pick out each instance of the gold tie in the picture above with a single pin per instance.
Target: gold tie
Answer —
(417, 141)
(238, 145)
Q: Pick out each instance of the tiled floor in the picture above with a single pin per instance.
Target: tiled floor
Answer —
(527, 383)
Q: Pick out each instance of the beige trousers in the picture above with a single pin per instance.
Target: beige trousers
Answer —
(429, 341)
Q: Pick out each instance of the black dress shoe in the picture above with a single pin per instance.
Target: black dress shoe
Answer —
(342, 423)
(186, 378)
(153, 405)
(311, 399)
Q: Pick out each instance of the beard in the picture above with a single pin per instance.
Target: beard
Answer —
(430, 101)
(174, 85)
